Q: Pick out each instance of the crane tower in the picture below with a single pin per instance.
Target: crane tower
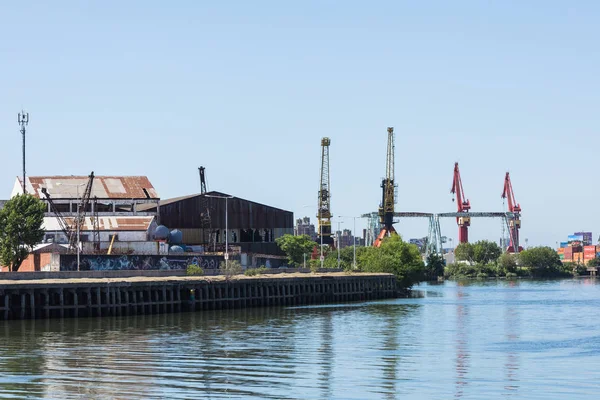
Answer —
(388, 199)
(324, 206)
(463, 206)
(514, 224)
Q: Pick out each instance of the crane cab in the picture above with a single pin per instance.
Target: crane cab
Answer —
(464, 221)
(514, 223)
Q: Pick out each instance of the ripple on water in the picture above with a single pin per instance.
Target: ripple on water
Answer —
(529, 340)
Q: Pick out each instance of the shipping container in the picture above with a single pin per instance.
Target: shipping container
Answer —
(568, 250)
(589, 250)
(567, 257)
(586, 237)
(578, 257)
(575, 238)
(587, 257)
(564, 244)
(561, 256)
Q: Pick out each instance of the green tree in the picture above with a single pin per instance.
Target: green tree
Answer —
(464, 252)
(20, 228)
(295, 247)
(508, 263)
(394, 256)
(485, 252)
(541, 261)
(346, 258)
(594, 262)
(434, 266)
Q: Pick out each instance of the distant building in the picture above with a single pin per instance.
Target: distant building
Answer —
(347, 239)
(304, 227)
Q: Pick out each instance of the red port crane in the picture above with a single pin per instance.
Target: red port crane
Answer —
(463, 206)
(515, 223)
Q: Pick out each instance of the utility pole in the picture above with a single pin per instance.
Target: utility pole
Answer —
(23, 120)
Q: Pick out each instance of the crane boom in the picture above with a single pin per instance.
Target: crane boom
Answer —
(463, 206)
(324, 203)
(64, 226)
(515, 222)
(388, 198)
(82, 209)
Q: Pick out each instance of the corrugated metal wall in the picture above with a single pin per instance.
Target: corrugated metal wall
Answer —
(242, 214)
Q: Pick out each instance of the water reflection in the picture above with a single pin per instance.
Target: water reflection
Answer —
(327, 356)
(511, 329)
(466, 341)
(462, 346)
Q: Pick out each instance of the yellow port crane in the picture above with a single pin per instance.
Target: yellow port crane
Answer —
(388, 199)
(324, 205)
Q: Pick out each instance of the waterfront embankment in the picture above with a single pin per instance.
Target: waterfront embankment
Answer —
(95, 297)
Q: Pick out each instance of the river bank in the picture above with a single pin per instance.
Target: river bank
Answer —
(89, 297)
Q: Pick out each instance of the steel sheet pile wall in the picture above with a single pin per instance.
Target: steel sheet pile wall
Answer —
(36, 299)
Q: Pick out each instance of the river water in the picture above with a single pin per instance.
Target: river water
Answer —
(477, 340)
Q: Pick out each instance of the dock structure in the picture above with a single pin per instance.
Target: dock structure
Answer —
(71, 298)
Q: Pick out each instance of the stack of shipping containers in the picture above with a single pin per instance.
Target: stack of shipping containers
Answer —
(578, 249)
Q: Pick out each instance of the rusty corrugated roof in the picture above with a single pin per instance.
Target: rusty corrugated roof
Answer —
(134, 223)
(104, 187)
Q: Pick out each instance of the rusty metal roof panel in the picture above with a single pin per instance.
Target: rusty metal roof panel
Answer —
(104, 187)
(136, 223)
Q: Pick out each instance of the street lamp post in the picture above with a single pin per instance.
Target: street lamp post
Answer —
(339, 235)
(226, 227)
(78, 219)
(321, 234)
(354, 237)
(320, 231)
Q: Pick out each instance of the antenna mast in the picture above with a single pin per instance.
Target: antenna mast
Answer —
(23, 120)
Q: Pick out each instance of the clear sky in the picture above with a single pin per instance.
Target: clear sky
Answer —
(248, 88)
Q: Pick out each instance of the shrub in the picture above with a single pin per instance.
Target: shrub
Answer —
(256, 271)
(511, 275)
(233, 267)
(194, 270)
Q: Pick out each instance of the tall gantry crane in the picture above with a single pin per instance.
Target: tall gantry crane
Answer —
(463, 206)
(324, 205)
(514, 224)
(388, 199)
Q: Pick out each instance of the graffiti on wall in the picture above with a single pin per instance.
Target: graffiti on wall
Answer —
(68, 262)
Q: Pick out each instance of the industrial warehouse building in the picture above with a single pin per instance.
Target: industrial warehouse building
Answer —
(115, 203)
(253, 227)
(124, 212)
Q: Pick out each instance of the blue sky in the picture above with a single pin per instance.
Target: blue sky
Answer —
(248, 89)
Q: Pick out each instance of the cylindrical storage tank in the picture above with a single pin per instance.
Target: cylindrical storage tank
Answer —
(176, 249)
(176, 237)
(161, 233)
